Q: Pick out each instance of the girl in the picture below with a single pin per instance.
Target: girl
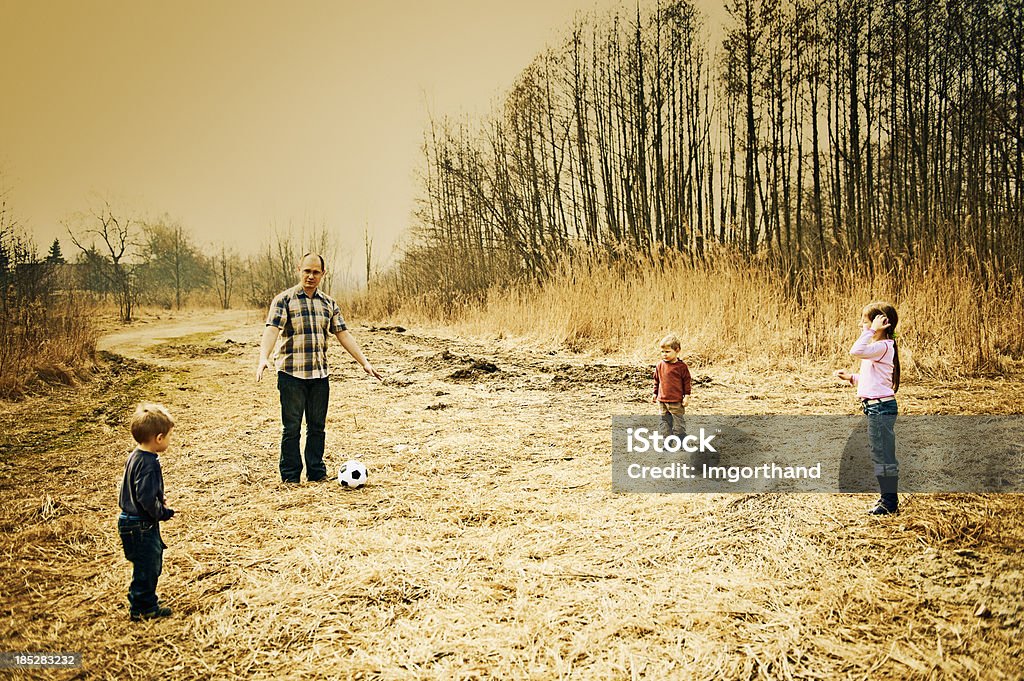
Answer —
(877, 383)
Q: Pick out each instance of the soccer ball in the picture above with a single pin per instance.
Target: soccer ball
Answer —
(352, 474)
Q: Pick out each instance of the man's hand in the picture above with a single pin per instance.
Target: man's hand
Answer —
(348, 341)
(270, 335)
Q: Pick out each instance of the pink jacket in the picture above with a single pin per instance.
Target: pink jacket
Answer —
(876, 365)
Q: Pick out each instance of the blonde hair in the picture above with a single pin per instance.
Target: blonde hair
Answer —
(150, 420)
(670, 341)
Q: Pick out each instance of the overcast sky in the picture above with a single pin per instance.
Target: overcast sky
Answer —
(234, 117)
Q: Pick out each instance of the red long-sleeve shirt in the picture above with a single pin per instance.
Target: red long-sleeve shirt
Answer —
(671, 381)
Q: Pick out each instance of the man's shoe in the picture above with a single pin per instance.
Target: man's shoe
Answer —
(325, 478)
(289, 481)
(159, 611)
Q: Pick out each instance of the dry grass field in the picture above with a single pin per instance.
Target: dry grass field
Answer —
(488, 543)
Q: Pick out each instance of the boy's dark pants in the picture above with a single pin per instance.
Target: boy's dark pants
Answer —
(309, 397)
(673, 419)
(144, 548)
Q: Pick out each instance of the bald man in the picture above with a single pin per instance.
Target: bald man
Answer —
(304, 317)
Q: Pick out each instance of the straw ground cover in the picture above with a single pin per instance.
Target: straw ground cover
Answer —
(488, 544)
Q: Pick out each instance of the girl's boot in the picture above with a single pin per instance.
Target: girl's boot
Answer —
(888, 504)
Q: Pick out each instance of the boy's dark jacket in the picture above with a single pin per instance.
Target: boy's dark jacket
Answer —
(142, 490)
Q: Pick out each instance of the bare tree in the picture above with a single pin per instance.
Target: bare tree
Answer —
(172, 263)
(747, 37)
(119, 237)
(368, 255)
(275, 268)
(227, 267)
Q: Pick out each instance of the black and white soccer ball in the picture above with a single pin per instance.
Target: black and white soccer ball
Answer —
(352, 474)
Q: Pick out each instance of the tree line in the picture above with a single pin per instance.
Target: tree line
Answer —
(45, 335)
(817, 131)
(48, 302)
(158, 262)
(128, 261)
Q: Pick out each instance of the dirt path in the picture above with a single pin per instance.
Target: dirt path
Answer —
(488, 544)
(147, 332)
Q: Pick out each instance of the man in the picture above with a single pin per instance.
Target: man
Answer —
(304, 318)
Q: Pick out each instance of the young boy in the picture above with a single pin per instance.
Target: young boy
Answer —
(671, 387)
(143, 508)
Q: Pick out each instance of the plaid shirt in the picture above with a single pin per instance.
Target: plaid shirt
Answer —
(306, 325)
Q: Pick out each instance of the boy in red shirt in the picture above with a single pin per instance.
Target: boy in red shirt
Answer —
(671, 387)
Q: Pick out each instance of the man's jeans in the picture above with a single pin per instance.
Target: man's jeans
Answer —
(144, 548)
(882, 436)
(300, 396)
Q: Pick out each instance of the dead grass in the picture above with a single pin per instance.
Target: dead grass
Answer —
(488, 543)
(46, 345)
(727, 308)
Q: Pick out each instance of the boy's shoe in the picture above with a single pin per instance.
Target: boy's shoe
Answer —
(159, 611)
(325, 478)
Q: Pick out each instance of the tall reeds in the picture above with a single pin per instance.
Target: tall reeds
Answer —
(730, 308)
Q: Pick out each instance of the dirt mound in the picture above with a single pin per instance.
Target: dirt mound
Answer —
(601, 374)
(470, 368)
(475, 370)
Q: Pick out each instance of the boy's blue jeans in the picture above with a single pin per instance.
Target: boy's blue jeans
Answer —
(882, 436)
(144, 548)
(309, 397)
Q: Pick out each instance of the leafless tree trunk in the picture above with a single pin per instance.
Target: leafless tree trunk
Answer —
(119, 236)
